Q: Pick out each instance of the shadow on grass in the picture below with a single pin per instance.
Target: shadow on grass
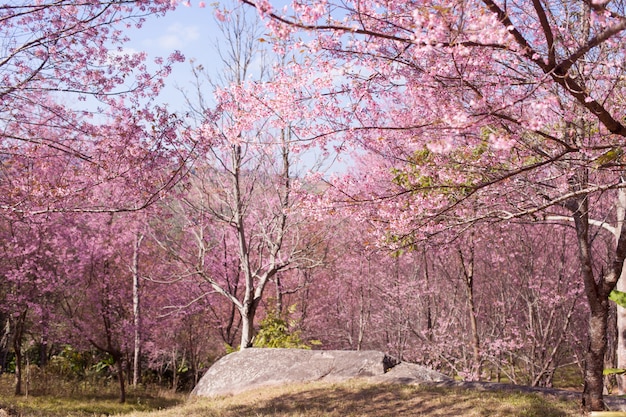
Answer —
(355, 398)
(398, 400)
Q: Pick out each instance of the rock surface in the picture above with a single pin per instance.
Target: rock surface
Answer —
(410, 373)
(253, 368)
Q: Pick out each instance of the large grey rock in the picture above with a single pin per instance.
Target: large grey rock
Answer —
(252, 368)
(410, 373)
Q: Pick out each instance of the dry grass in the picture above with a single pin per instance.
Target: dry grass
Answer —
(357, 398)
(352, 398)
(59, 398)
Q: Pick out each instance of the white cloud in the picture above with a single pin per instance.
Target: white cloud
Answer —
(177, 36)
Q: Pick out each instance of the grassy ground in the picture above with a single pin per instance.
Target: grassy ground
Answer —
(356, 398)
(54, 397)
(353, 398)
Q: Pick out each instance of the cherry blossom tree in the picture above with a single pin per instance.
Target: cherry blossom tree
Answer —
(249, 213)
(29, 281)
(78, 121)
(57, 53)
(80, 128)
(509, 110)
(99, 305)
(237, 220)
(522, 321)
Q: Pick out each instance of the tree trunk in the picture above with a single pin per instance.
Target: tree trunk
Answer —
(592, 398)
(136, 312)
(620, 351)
(247, 324)
(279, 296)
(475, 336)
(174, 370)
(4, 341)
(43, 344)
(597, 298)
(18, 328)
(594, 357)
(363, 318)
(116, 355)
(120, 376)
(18, 371)
(246, 332)
(468, 281)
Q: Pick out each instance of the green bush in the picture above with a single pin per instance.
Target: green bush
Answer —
(275, 332)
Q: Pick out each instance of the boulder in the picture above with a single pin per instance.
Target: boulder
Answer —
(410, 373)
(253, 368)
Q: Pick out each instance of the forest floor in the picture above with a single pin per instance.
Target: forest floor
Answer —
(363, 399)
(352, 398)
(55, 397)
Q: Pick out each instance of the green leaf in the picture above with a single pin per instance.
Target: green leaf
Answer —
(613, 371)
(619, 297)
(276, 332)
(609, 157)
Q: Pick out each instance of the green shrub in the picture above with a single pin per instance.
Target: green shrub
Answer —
(275, 332)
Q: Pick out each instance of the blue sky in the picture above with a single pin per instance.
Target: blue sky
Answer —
(194, 32)
(191, 30)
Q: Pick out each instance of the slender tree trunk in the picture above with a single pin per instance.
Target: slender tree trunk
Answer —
(27, 385)
(116, 354)
(128, 371)
(4, 342)
(429, 317)
(279, 296)
(468, 280)
(119, 367)
(43, 345)
(621, 312)
(363, 318)
(18, 370)
(174, 362)
(475, 336)
(136, 312)
(18, 328)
